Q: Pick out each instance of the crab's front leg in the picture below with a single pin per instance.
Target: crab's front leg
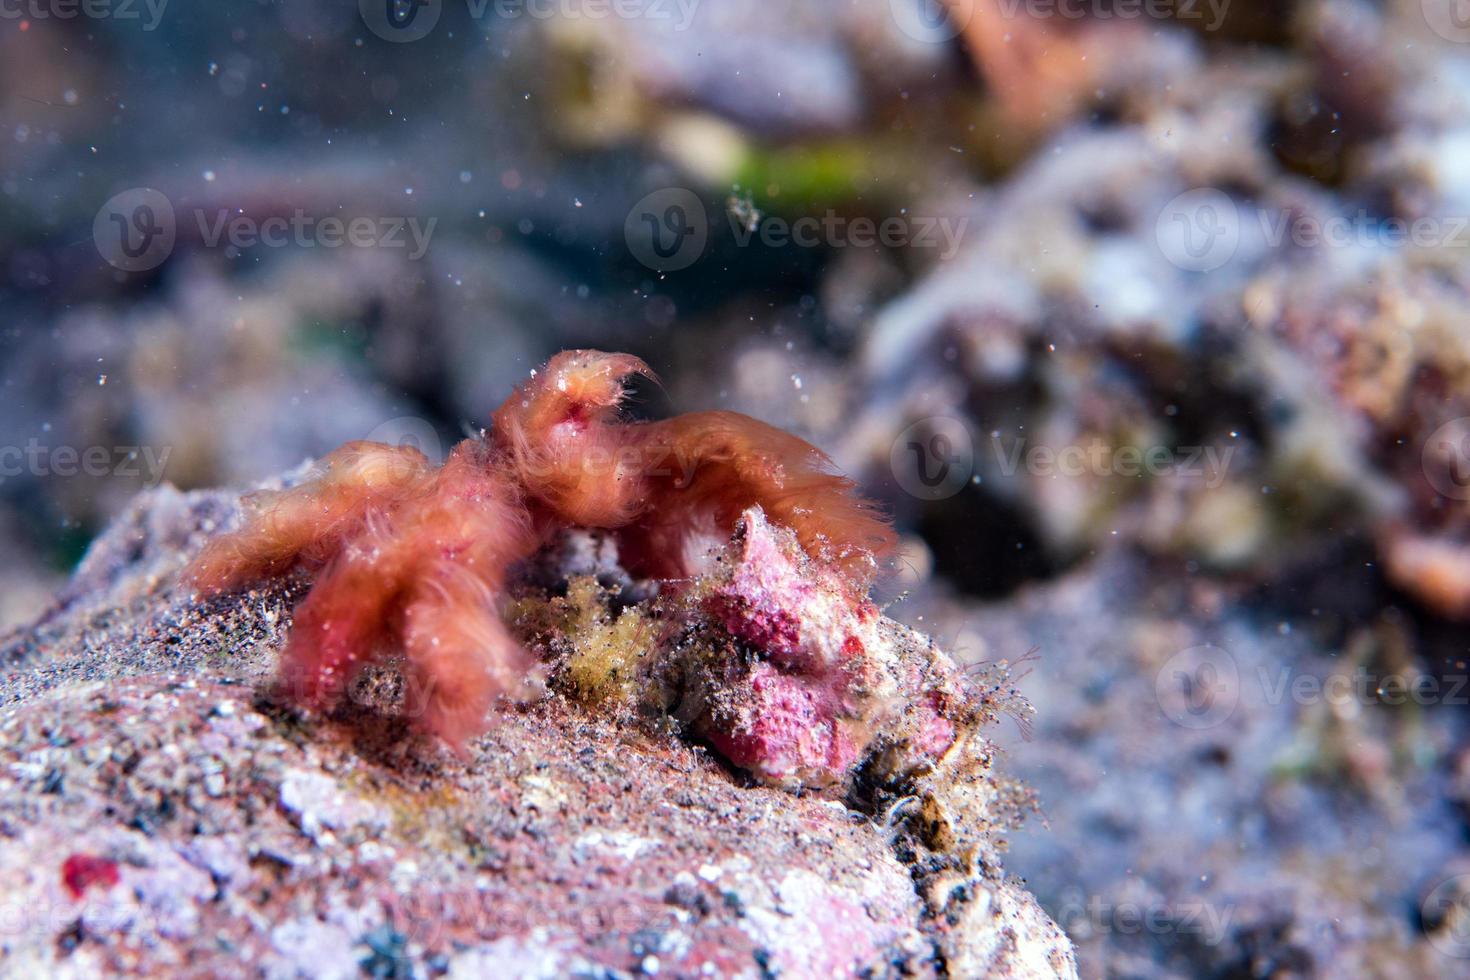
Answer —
(345, 621)
(460, 656)
(426, 576)
(311, 522)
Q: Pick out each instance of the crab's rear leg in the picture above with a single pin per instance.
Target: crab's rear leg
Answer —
(310, 522)
(705, 468)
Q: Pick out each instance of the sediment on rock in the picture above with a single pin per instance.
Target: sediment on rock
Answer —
(221, 829)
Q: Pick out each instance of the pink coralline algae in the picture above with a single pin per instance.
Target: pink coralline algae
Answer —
(772, 653)
(81, 871)
(809, 680)
(412, 558)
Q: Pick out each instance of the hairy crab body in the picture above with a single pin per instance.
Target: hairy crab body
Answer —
(412, 557)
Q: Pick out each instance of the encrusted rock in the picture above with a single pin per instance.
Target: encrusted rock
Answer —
(222, 831)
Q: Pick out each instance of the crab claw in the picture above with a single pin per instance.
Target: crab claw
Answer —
(592, 378)
(560, 435)
(577, 388)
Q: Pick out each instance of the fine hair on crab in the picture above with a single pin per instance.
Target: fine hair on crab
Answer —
(413, 558)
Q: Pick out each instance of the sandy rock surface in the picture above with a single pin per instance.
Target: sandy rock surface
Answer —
(159, 811)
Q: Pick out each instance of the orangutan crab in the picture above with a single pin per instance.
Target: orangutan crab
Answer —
(408, 555)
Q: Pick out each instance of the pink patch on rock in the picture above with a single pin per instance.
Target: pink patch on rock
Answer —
(775, 632)
(787, 728)
(794, 612)
(765, 600)
(825, 680)
(81, 871)
(935, 732)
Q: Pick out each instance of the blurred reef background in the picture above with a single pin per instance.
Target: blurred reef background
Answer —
(1164, 370)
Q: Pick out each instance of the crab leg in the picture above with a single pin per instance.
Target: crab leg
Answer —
(340, 625)
(706, 468)
(460, 656)
(310, 521)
